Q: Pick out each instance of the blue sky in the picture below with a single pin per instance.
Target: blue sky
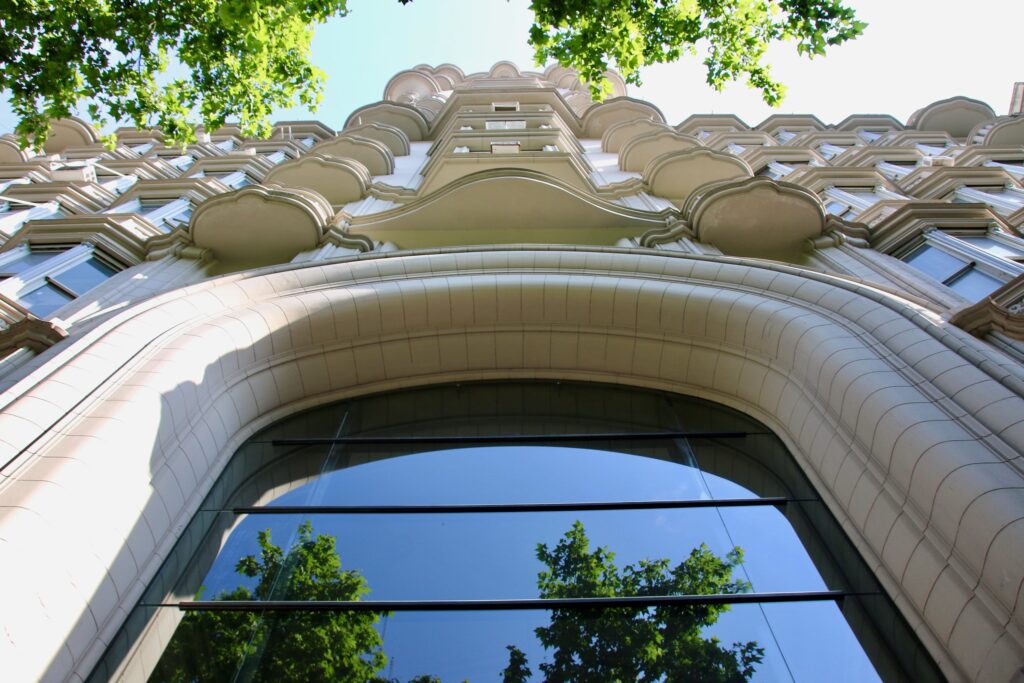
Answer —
(914, 52)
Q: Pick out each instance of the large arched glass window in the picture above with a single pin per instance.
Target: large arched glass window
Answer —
(456, 532)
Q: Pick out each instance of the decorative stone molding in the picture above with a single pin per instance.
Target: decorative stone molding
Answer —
(756, 217)
(791, 122)
(910, 221)
(338, 180)
(125, 237)
(405, 117)
(716, 123)
(856, 122)
(636, 152)
(11, 152)
(599, 118)
(618, 134)
(869, 394)
(260, 224)
(955, 115)
(1005, 130)
(411, 86)
(677, 175)
(23, 330)
(374, 155)
(503, 206)
(390, 136)
(69, 132)
(1001, 311)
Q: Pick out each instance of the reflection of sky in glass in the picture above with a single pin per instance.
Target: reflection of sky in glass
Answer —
(475, 556)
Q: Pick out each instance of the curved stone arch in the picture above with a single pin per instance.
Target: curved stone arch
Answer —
(430, 107)
(1006, 131)
(402, 116)
(260, 224)
(69, 132)
(504, 69)
(756, 216)
(618, 134)
(846, 375)
(393, 138)
(955, 115)
(450, 71)
(677, 175)
(11, 152)
(374, 155)
(411, 85)
(338, 180)
(637, 152)
(601, 117)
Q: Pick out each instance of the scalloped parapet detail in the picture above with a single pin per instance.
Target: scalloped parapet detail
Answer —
(69, 132)
(638, 151)
(601, 117)
(374, 155)
(757, 217)
(677, 175)
(338, 180)
(405, 117)
(955, 115)
(260, 225)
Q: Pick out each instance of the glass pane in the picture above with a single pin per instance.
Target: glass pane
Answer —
(975, 285)
(680, 643)
(84, 276)
(935, 262)
(994, 247)
(43, 301)
(23, 263)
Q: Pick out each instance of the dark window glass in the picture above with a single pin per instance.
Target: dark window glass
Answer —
(23, 263)
(935, 262)
(975, 285)
(43, 301)
(84, 276)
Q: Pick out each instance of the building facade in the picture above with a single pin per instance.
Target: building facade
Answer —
(856, 289)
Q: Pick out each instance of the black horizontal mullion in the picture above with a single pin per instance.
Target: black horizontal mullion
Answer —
(505, 605)
(511, 507)
(509, 438)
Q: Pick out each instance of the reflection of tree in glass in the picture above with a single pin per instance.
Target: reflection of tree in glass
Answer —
(284, 646)
(634, 644)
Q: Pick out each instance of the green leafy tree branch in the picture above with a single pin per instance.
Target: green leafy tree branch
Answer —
(243, 59)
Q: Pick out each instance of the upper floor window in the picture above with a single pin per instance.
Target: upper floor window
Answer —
(505, 106)
(972, 265)
(45, 279)
(164, 213)
(14, 213)
(505, 125)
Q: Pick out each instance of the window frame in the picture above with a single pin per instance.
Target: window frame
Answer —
(21, 284)
(972, 257)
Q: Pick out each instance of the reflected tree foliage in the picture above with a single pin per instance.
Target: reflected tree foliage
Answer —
(634, 644)
(284, 646)
(623, 644)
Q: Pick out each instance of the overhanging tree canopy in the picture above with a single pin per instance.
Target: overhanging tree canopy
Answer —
(245, 58)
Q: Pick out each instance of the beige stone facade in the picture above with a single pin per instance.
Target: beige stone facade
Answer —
(856, 287)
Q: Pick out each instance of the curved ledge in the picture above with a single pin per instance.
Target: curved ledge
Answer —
(410, 86)
(1006, 131)
(618, 134)
(756, 216)
(338, 180)
(11, 152)
(374, 155)
(954, 115)
(637, 152)
(506, 206)
(260, 225)
(600, 117)
(405, 117)
(69, 132)
(390, 136)
(677, 175)
(504, 69)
